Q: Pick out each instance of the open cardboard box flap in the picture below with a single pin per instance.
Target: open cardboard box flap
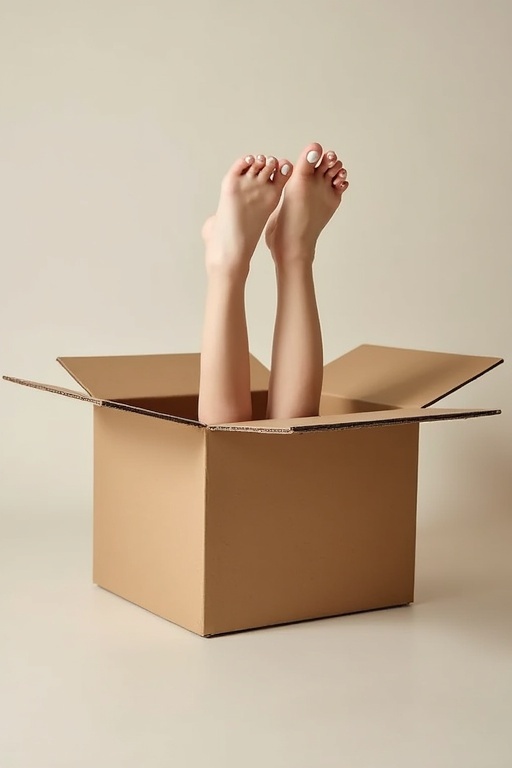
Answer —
(51, 388)
(401, 381)
(383, 375)
(401, 377)
(352, 420)
(126, 377)
(97, 401)
(284, 426)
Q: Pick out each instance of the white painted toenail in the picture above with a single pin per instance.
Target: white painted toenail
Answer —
(260, 158)
(271, 161)
(285, 170)
(312, 156)
(249, 159)
(331, 156)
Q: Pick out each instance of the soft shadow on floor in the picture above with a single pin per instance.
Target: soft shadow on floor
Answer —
(463, 566)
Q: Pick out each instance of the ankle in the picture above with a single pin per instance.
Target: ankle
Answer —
(298, 260)
(229, 276)
(223, 267)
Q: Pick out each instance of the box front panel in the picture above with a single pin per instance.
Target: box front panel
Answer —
(303, 526)
(149, 513)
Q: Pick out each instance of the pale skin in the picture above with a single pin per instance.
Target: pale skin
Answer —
(249, 201)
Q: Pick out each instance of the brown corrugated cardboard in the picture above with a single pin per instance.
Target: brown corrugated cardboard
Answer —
(149, 513)
(347, 420)
(125, 377)
(310, 525)
(402, 377)
(234, 526)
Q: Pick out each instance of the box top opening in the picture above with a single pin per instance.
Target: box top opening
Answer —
(350, 413)
(370, 385)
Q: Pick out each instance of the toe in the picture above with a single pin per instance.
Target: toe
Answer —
(327, 162)
(309, 158)
(259, 163)
(242, 165)
(331, 173)
(339, 185)
(283, 173)
(239, 168)
(268, 170)
(340, 177)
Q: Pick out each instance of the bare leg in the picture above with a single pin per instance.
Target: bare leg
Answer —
(250, 192)
(310, 200)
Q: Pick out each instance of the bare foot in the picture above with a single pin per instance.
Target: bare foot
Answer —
(310, 200)
(250, 191)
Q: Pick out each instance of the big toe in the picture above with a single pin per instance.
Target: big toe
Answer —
(308, 159)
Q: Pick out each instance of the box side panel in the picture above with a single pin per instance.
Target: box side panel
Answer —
(317, 524)
(149, 514)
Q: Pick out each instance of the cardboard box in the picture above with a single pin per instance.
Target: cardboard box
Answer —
(234, 526)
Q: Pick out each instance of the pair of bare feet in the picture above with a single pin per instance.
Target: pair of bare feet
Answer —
(250, 194)
(253, 196)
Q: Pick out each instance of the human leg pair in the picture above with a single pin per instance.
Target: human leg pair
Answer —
(308, 194)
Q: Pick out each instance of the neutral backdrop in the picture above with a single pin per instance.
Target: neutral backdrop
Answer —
(117, 122)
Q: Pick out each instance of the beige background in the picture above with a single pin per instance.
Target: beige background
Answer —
(118, 120)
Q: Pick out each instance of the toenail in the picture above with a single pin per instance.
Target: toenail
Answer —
(260, 158)
(331, 156)
(271, 161)
(249, 159)
(312, 156)
(343, 172)
(285, 170)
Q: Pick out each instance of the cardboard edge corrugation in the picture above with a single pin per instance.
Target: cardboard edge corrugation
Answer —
(353, 421)
(87, 398)
(54, 389)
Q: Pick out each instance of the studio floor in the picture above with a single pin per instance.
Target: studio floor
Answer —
(91, 680)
